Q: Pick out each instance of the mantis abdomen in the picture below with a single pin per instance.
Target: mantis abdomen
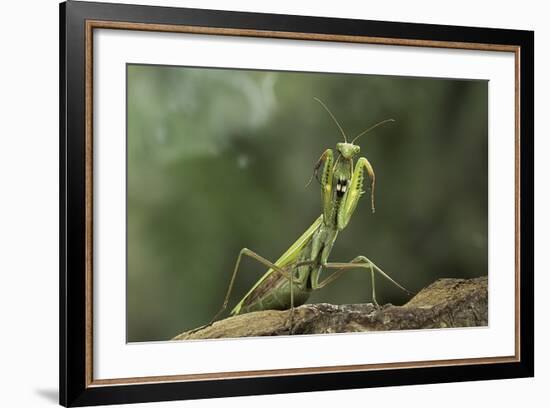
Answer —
(278, 299)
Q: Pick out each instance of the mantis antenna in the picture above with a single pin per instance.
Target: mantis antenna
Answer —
(333, 118)
(371, 128)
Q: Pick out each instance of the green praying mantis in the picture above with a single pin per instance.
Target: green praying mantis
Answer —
(290, 280)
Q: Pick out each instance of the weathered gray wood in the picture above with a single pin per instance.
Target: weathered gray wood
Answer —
(445, 303)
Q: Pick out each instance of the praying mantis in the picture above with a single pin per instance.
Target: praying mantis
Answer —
(290, 280)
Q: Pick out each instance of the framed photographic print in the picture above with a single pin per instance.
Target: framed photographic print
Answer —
(256, 203)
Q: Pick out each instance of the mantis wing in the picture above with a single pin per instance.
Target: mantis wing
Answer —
(288, 257)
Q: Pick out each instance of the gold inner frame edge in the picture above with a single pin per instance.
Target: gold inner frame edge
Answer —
(93, 24)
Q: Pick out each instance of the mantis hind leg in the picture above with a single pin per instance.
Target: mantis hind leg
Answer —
(357, 262)
(260, 259)
(263, 261)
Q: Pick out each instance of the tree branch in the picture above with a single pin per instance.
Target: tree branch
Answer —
(445, 303)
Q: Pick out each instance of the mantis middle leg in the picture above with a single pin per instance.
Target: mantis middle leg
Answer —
(357, 262)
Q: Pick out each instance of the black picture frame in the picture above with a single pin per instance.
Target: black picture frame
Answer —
(76, 389)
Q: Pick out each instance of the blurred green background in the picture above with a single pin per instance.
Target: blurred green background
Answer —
(218, 160)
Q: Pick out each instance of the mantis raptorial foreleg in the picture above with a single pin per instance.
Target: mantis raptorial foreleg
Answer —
(327, 162)
(351, 198)
(358, 262)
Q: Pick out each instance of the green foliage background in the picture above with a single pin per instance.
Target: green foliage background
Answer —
(218, 160)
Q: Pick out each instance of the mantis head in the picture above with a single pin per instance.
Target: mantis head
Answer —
(349, 150)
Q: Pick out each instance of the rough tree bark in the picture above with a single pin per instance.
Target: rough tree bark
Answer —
(445, 303)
